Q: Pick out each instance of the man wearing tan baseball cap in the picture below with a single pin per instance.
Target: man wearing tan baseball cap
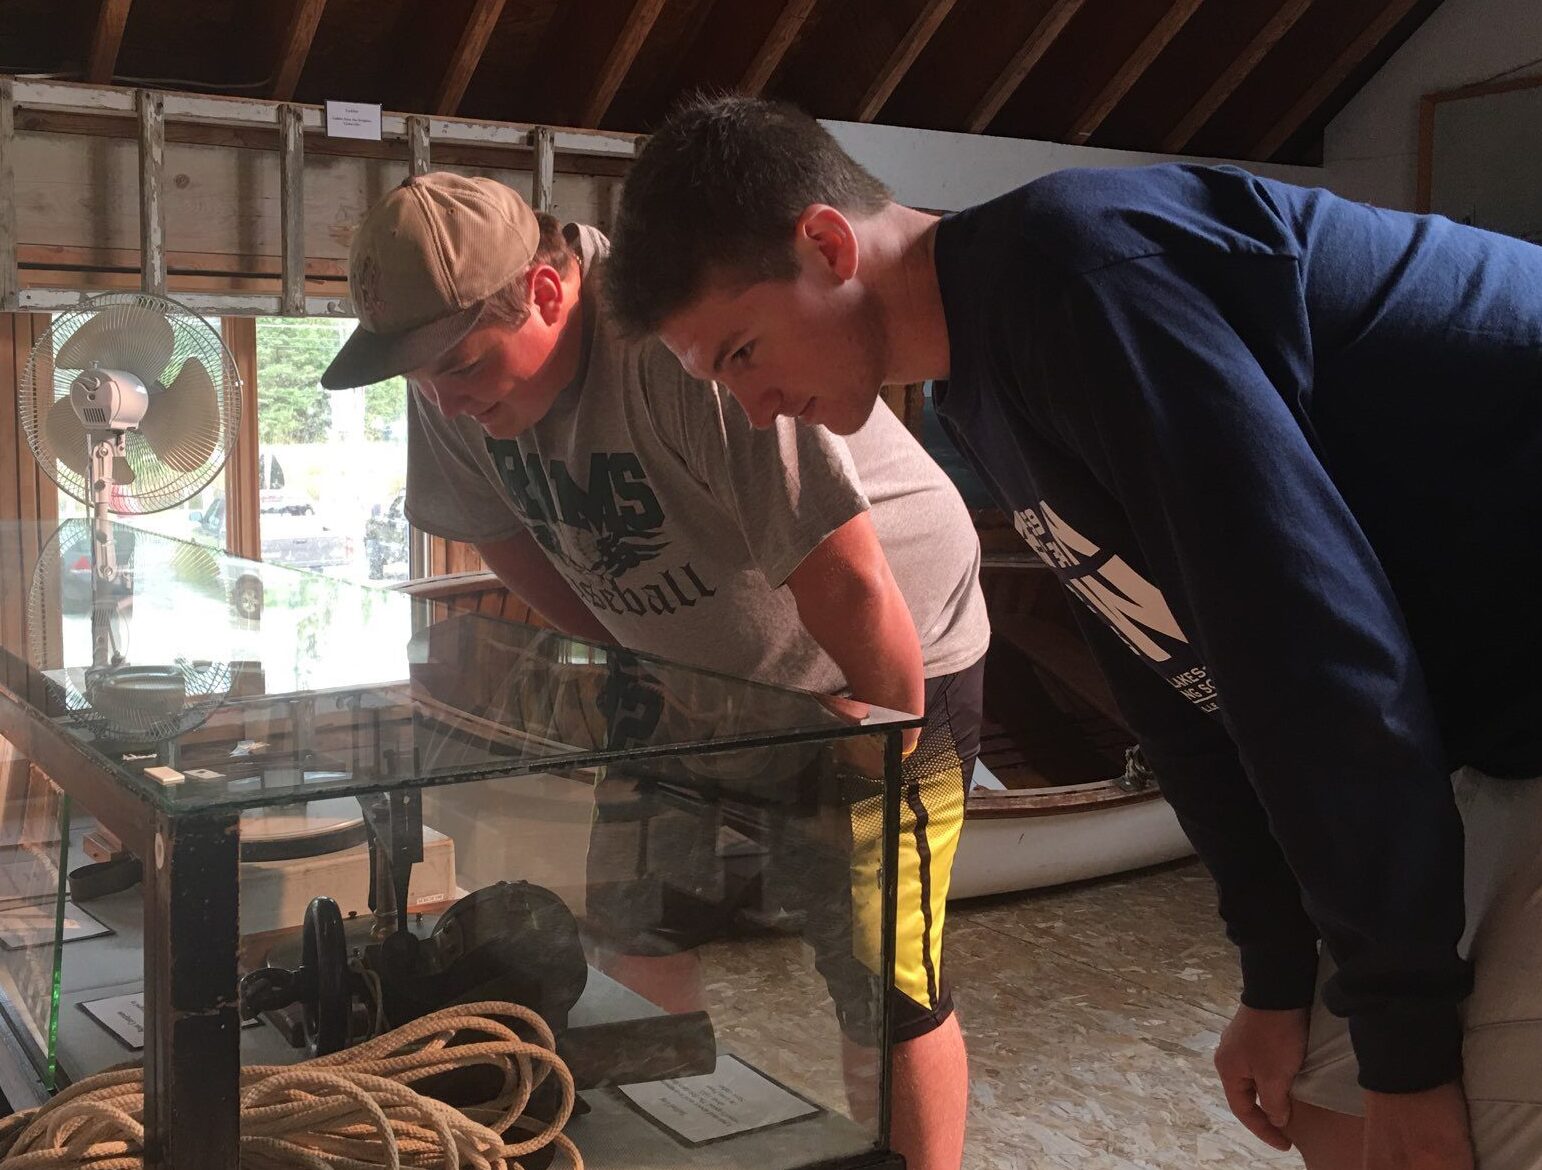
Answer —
(440, 246)
(627, 502)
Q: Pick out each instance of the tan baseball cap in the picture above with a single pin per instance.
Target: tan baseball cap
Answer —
(422, 263)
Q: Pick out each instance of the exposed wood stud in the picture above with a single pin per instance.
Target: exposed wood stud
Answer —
(467, 55)
(243, 516)
(291, 181)
(303, 22)
(106, 40)
(1149, 49)
(921, 30)
(1330, 79)
(618, 62)
(152, 209)
(417, 144)
(1225, 85)
(8, 273)
(207, 111)
(241, 304)
(544, 142)
(768, 57)
(1006, 84)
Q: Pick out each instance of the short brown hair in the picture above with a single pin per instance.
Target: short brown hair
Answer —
(511, 303)
(718, 189)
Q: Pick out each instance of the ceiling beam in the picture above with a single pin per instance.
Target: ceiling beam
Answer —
(922, 28)
(628, 43)
(1283, 20)
(1136, 64)
(789, 23)
(1330, 79)
(480, 22)
(1006, 84)
(581, 61)
(106, 39)
(296, 47)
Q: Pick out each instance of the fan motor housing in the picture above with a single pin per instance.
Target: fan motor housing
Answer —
(108, 400)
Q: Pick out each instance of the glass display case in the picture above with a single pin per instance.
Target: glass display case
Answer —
(297, 813)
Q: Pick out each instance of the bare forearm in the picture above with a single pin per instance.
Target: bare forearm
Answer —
(867, 629)
(849, 603)
(527, 573)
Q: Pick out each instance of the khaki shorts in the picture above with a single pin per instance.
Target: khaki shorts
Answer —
(1502, 1019)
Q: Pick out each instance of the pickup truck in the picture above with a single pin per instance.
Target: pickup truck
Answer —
(298, 541)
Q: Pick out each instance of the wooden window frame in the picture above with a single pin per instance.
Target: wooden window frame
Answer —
(1425, 180)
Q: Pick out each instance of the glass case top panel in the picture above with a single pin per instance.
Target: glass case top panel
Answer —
(202, 680)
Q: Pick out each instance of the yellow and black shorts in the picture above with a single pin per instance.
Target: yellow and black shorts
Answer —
(673, 866)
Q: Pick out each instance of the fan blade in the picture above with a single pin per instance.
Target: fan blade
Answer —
(65, 437)
(182, 424)
(137, 340)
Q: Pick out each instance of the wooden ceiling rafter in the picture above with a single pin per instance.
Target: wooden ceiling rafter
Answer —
(1044, 34)
(584, 55)
(1250, 79)
(928, 20)
(773, 50)
(618, 61)
(1086, 123)
(295, 47)
(1268, 144)
(1274, 30)
(106, 40)
(732, 47)
(480, 22)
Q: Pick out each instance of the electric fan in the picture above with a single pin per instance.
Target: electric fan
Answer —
(131, 403)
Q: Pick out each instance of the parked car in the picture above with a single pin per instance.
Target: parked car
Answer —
(273, 497)
(300, 541)
(385, 537)
(297, 541)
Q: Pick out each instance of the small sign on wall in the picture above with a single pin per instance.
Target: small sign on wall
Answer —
(353, 120)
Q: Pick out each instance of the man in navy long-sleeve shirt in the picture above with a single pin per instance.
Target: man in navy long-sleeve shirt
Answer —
(1287, 451)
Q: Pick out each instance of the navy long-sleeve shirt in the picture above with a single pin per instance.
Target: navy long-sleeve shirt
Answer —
(1287, 451)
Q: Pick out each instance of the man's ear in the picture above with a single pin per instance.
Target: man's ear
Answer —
(827, 234)
(546, 293)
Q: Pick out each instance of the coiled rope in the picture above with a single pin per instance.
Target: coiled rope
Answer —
(350, 1110)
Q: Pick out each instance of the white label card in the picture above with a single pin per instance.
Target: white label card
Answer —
(353, 120)
(732, 1100)
(122, 1015)
(33, 925)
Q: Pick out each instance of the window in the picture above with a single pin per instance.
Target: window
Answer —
(331, 464)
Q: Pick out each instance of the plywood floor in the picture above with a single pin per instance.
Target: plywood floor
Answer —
(1091, 1014)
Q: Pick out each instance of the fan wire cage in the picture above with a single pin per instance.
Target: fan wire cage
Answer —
(194, 391)
(149, 702)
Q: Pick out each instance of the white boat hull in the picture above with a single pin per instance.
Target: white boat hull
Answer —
(1046, 843)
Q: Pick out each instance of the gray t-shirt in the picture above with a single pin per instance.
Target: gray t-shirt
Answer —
(678, 523)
